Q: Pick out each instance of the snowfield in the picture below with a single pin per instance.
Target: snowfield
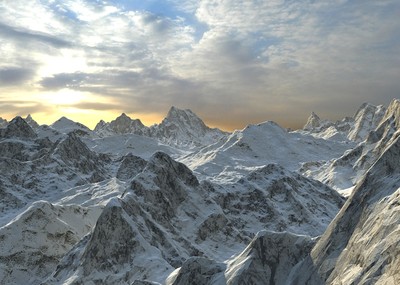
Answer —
(182, 203)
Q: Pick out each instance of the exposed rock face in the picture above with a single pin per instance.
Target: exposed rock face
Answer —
(124, 219)
(31, 246)
(137, 234)
(356, 129)
(33, 168)
(313, 122)
(74, 152)
(268, 258)
(185, 128)
(17, 128)
(131, 165)
(197, 270)
(347, 170)
(180, 127)
(277, 199)
(361, 245)
(366, 119)
(31, 122)
(166, 219)
(3, 122)
(122, 125)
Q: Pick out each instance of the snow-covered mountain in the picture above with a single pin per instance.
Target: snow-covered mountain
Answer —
(17, 128)
(166, 216)
(65, 126)
(3, 122)
(180, 128)
(259, 145)
(181, 203)
(361, 245)
(121, 125)
(344, 172)
(366, 119)
(185, 128)
(354, 128)
(31, 122)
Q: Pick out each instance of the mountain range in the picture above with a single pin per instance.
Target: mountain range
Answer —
(181, 203)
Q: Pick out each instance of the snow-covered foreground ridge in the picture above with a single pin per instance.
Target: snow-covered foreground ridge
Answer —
(181, 203)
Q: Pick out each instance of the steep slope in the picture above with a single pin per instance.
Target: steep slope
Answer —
(34, 169)
(256, 146)
(314, 123)
(266, 260)
(343, 173)
(65, 126)
(17, 128)
(180, 128)
(361, 245)
(366, 119)
(166, 217)
(356, 128)
(185, 128)
(121, 125)
(31, 122)
(3, 122)
(32, 244)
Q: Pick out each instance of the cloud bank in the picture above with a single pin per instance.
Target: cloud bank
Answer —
(232, 62)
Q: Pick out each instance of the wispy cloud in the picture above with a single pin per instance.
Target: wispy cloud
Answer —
(244, 60)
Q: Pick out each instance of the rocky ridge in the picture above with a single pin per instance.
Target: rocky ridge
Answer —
(167, 216)
(137, 216)
(360, 246)
(181, 128)
(354, 128)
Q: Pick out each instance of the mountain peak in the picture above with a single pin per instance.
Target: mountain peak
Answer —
(123, 124)
(65, 125)
(184, 127)
(123, 115)
(3, 122)
(366, 120)
(394, 111)
(18, 127)
(175, 113)
(31, 122)
(313, 122)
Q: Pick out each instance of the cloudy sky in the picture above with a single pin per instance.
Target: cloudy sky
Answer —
(231, 62)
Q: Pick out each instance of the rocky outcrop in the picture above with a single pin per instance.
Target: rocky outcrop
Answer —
(122, 125)
(313, 122)
(74, 153)
(276, 199)
(180, 128)
(166, 219)
(18, 128)
(268, 258)
(130, 166)
(3, 122)
(360, 246)
(32, 245)
(348, 169)
(31, 122)
(366, 120)
(197, 270)
(355, 128)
